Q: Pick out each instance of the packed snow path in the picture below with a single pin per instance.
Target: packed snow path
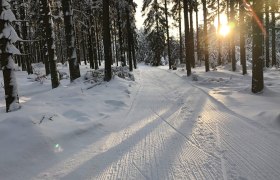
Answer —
(172, 130)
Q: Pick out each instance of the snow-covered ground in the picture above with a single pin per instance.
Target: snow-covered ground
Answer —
(163, 125)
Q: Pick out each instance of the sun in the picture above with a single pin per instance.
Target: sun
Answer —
(224, 30)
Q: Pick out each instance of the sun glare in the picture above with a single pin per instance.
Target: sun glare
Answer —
(224, 30)
(224, 26)
(223, 20)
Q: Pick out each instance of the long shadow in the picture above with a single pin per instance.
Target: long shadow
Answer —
(94, 167)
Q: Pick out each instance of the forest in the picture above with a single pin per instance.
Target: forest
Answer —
(139, 89)
(95, 31)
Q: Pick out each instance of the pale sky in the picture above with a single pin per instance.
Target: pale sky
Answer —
(139, 18)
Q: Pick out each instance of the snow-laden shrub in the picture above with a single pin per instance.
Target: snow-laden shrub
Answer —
(97, 76)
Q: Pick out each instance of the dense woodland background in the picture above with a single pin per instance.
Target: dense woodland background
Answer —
(94, 32)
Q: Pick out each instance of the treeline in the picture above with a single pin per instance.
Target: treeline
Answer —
(252, 34)
(59, 31)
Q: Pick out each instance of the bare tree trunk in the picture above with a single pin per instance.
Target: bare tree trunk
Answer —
(242, 37)
(273, 33)
(191, 37)
(257, 68)
(70, 40)
(219, 37)
(89, 37)
(167, 34)
(180, 32)
(187, 35)
(206, 51)
(267, 58)
(107, 41)
(129, 40)
(232, 44)
(48, 24)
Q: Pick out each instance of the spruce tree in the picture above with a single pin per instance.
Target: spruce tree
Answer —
(8, 36)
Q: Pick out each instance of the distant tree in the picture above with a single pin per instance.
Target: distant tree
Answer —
(170, 60)
(107, 41)
(205, 29)
(177, 16)
(157, 45)
(187, 37)
(258, 59)
(191, 34)
(155, 28)
(143, 51)
(8, 36)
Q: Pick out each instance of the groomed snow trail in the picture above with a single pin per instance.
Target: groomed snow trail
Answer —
(174, 130)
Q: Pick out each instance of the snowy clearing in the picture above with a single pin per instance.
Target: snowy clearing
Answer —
(163, 125)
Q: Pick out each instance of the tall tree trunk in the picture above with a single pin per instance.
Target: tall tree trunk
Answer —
(133, 52)
(191, 37)
(98, 43)
(77, 43)
(46, 57)
(107, 41)
(219, 37)
(48, 25)
(25, 58)
(70, 40)
(60, 48)
(242, 37)
(129, 39)
(228, 20)
(267, 58)
(232, 43)
(206, 51)
(273, 33)
(116, 44)
(84, 46)
(119, 22)
(197, 34)
(90, 50)
(94, 48)
(187, 35)
(167, 34)
(6, 60)
(180, 33)
(257, 68)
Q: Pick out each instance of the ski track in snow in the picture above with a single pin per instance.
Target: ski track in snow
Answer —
(173, 130)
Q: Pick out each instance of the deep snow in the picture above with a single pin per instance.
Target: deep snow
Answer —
(163, 125)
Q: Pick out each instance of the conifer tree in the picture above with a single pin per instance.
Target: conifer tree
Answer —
(155, 27)
(70, 40)
(8, 36)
